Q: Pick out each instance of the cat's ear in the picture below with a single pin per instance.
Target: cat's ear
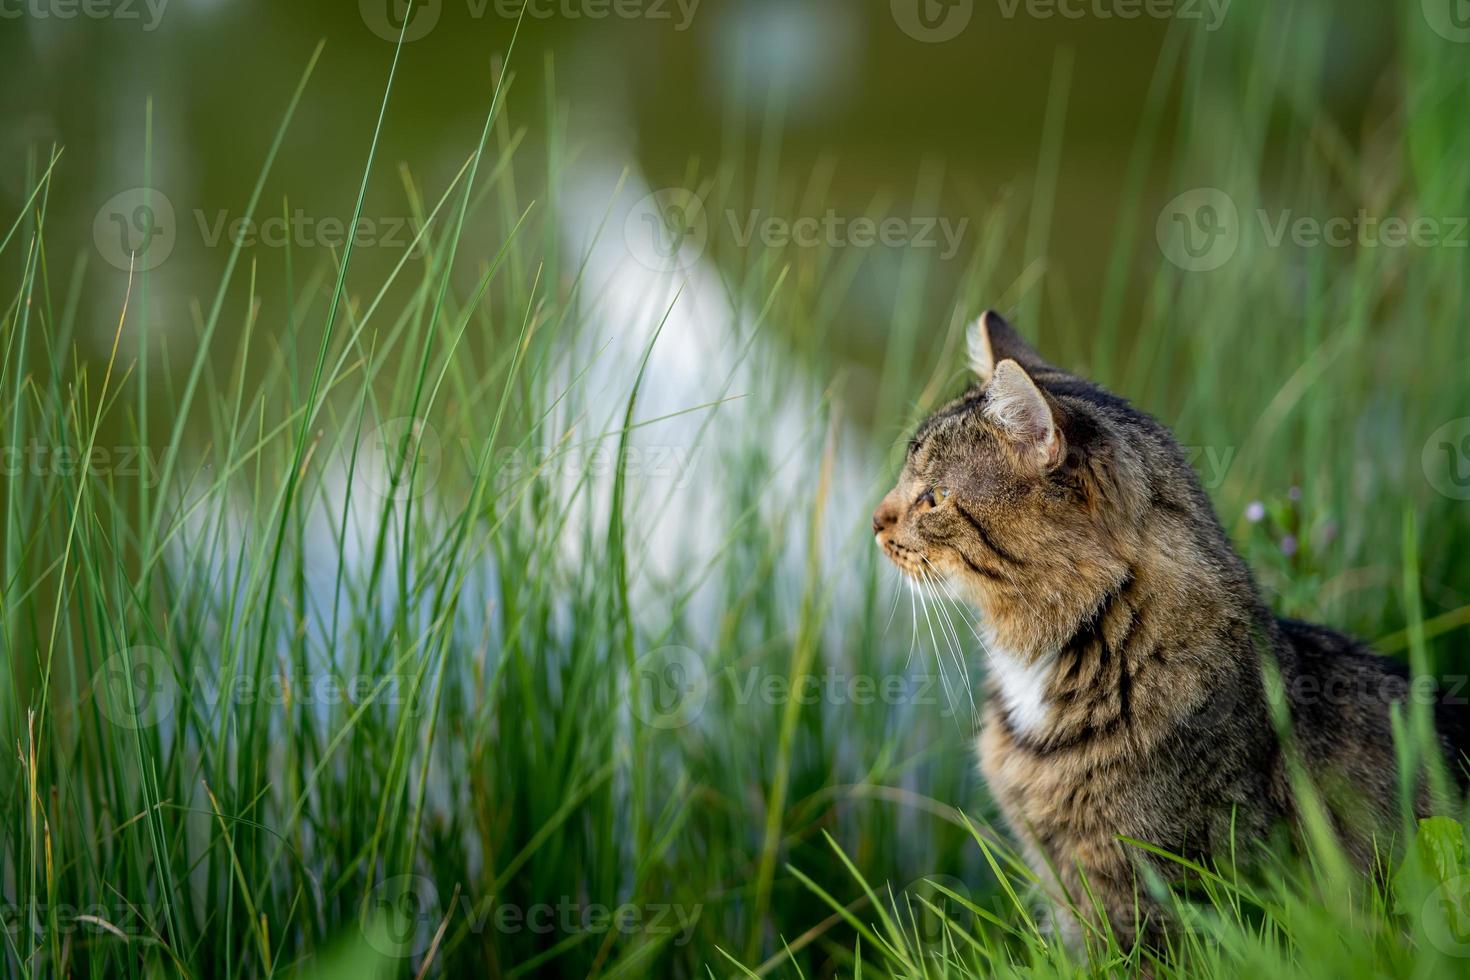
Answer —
(990, 340)
(977, 346)
(1024, 413)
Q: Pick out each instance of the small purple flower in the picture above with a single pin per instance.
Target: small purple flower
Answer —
(1288, 545)
(1255, 512)
(1294, 494)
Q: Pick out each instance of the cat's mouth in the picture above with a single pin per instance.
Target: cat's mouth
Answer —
(910, 561)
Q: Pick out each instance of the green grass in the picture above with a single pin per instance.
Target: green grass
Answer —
(253, 737)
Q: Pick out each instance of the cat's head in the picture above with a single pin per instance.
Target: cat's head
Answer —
(1036, 493)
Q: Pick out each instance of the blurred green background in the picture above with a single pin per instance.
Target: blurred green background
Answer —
(1114, 179)
(943, 121)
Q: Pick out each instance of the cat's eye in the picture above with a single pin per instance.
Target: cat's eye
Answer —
(931, 497)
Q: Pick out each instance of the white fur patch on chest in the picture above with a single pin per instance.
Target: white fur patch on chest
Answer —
(1022, 688)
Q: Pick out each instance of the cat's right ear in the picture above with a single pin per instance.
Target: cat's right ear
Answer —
(977, 346)
(990, 340)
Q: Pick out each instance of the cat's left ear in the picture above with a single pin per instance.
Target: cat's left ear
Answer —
(977, 346)
(990, 340)
(1024, 413)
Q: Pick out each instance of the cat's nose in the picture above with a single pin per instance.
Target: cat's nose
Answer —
(884, 517)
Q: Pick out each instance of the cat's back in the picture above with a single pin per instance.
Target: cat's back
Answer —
(1343, 699)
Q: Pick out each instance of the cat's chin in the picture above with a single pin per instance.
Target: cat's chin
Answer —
(906, 560)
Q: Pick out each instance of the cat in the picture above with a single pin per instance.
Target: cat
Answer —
(1127, 644)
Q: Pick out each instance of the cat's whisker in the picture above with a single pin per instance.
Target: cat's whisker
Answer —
(960, 607)
(893, 611)
(952, 637)
(914, 634)
(927, 578)
(956, 644)
(949, 647)
(938, 658)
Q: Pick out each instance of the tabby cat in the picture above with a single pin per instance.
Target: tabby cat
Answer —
(1127, 643)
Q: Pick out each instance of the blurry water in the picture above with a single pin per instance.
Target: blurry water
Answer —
(788, 92)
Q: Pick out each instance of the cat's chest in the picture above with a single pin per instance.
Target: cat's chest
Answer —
(1067, 793)
(1021, 687)
(1057, 788)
